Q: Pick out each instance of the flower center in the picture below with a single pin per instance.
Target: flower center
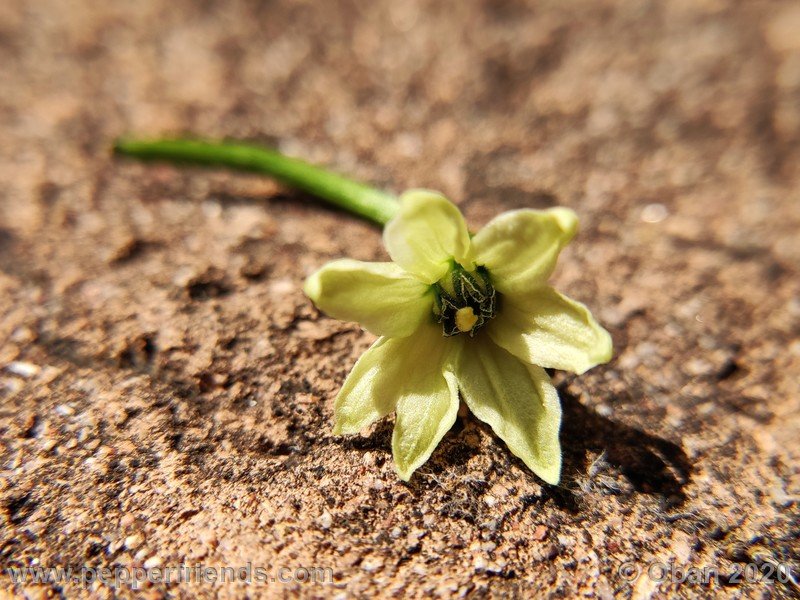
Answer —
(465, 301)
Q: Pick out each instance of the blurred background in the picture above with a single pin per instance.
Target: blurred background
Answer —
(159, 361)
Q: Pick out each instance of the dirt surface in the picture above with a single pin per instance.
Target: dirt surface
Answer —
(167, 389)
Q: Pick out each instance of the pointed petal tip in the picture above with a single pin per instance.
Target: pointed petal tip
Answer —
(355, 425)
(312, 287)
(404, 473)
(421, 195)
(605, 347)
(551, 475)
(603, 352)
(566, 218)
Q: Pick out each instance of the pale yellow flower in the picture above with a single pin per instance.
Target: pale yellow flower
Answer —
(462, 317)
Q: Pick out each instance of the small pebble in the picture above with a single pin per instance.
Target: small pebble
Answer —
(208, 538)
(23, 369)
(479, 563)
(325, 520)
(127, 520)
(654, 213)
(540, 533)
(371, 565)
(604, 410)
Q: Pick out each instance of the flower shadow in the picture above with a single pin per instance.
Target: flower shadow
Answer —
(649, 464)
(631, 460)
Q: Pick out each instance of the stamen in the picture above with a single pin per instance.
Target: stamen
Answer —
(466, 319)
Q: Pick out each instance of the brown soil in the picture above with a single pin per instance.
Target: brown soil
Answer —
(166, 387)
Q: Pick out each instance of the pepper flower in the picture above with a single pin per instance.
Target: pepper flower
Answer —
(461, 316)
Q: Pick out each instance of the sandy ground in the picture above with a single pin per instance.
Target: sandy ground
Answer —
(166, 389)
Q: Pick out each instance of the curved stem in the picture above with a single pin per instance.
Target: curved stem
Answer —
(362, 200)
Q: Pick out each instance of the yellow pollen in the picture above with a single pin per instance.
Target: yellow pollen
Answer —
(465, 319)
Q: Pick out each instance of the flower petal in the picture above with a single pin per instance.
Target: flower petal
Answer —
(427, 402)
(520, 248)
(392, 372)
(381, 296)
(517, 401)
(426, 234)
(547, 329)
(423, 418)
(362, 399)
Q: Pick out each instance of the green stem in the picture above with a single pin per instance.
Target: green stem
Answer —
(355, 197)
